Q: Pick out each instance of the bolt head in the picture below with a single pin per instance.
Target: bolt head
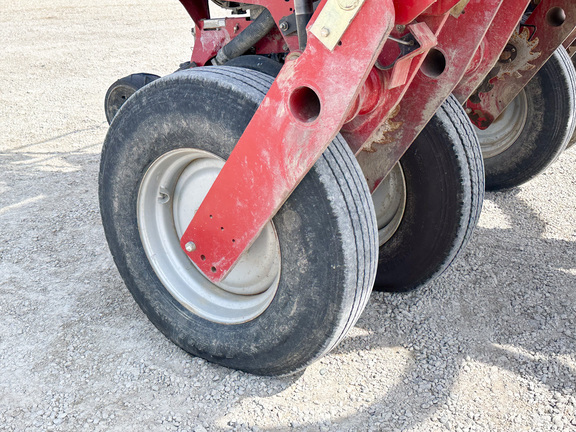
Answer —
(190, 247)
(325, 32)
(284, 26)
(348, 4)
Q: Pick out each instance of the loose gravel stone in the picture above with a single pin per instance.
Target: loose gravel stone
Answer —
(490, 346)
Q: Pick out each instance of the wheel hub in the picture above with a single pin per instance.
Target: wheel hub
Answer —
(506, 129)
(389, 202)
(170, 194)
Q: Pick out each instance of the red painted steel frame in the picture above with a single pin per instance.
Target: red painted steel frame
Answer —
(358, 132)
(284, 139)
(207, 43)
(458, 41)
(570, 40)
(541, 35)
(496, 38)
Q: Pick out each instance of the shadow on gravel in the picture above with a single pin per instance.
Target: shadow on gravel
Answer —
(506, 305)
(59, 137)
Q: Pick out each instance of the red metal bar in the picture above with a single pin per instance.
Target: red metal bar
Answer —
(570, 40)
(358, 131)
(549, 25)
(301, 114)
(406, 12)
(458, 41)
(504, 24)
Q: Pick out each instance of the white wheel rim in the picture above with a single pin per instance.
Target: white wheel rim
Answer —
(506, 129)
(170, 193)
(390, 202)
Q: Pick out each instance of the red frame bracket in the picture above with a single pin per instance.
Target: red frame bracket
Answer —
(536, 40)
(301, 114)
(458, 40)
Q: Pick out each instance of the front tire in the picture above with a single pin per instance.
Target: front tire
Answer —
(326, 231)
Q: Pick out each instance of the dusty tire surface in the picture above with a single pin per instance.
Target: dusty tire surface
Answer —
(444, 178)
(490, 345)
(326, 230)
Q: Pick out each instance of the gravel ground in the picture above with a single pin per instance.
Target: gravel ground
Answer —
(490, 346)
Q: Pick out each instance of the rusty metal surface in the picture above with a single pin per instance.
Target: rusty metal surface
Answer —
(496, 38)
(536, 40)
(284, 139)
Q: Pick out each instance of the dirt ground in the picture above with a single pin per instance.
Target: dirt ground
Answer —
(490, 346)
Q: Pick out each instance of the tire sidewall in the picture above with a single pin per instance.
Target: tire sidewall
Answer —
(438, 212)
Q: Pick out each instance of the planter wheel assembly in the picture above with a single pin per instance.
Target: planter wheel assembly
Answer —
(312, 151)
(534, 129)
(323, 238)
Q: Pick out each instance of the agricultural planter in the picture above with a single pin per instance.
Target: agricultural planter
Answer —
(311, 151)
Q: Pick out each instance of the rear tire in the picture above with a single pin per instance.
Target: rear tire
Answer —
(326, 231)
(535, 128)
(119, 92)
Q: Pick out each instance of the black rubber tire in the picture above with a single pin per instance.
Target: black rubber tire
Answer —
(573, 139)
(257, 63)
(326, 229)
(550, 122)
(444, 179)
(119, 92)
